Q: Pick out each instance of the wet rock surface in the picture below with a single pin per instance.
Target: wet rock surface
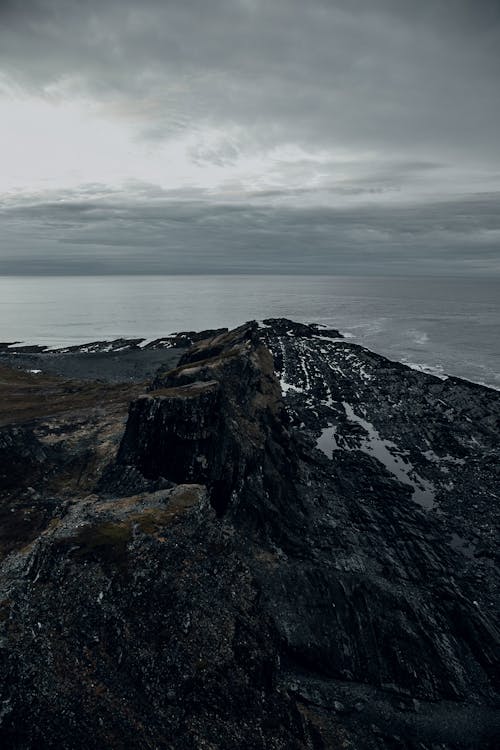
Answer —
(289, 542)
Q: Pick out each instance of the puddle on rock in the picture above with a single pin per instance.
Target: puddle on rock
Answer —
(374, 445)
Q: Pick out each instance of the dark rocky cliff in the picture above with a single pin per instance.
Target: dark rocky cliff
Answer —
(293, 546)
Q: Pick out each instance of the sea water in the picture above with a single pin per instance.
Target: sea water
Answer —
(449, 326)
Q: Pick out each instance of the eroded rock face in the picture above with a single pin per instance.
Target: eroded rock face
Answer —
(216, 419)
(293, 548)
(136, 625)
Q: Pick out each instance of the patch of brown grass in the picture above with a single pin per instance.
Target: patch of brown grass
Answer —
(152, 520)
(27, 396)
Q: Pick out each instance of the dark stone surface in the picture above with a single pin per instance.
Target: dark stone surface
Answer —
(118, 361)
(127, 365)
(307, 566)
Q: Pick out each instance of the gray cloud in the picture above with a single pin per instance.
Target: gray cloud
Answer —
(420, 75)
(412, 87)
(175, 235)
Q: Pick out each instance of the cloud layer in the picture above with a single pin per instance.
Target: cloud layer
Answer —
(171, 136)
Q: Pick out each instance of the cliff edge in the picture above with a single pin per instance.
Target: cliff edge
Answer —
(288, 542)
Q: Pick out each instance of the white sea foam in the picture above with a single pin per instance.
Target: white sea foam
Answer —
(436, 370)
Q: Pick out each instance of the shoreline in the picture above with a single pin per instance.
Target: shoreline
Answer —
(126, 360)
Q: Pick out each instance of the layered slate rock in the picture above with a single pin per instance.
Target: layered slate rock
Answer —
(294, 547)
(218, 418)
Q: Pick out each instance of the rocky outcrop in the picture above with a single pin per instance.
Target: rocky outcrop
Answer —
(286, 327)
(294, 547)
(217, 419)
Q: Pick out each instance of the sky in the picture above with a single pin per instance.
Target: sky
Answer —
(250, 136)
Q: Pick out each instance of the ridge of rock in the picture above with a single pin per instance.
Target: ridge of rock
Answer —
(293, 547)
(217, 419)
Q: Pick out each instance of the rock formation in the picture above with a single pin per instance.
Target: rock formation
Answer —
(291, 544)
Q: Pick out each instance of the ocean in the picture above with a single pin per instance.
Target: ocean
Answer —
(446, 326)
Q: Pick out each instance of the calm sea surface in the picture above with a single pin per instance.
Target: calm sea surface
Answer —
(448, 325)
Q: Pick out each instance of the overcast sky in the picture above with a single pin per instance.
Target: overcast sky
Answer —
(189, 136)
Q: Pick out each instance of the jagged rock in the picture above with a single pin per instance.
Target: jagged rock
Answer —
(322, 574)
(283, 326)
(217, 418)
(23, 458)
